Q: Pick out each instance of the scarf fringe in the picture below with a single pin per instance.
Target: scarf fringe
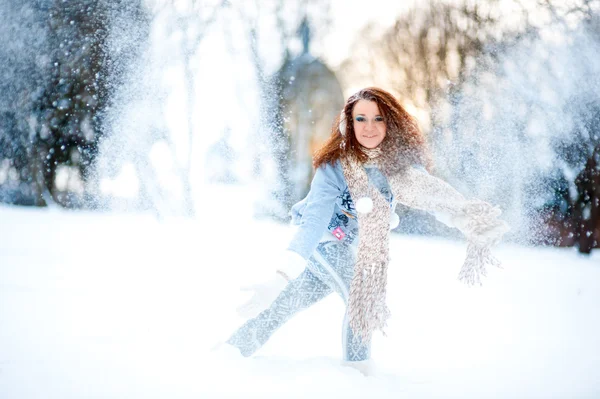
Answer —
(482, 228)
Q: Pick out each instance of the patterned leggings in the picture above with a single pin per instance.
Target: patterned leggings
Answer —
(329, 269)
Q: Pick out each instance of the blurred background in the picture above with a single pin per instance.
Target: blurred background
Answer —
(168, 107)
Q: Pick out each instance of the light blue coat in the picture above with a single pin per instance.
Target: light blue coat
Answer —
(328, 208)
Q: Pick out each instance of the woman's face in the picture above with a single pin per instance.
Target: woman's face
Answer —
(369, 126)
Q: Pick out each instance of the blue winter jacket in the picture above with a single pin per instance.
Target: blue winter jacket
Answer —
(328, 208)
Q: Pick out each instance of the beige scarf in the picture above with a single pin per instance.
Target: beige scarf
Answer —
(367, 309)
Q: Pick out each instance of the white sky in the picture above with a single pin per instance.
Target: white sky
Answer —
(348, 18)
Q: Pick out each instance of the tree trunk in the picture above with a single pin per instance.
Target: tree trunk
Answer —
(588, 204)
(36, 165)
(188, 199)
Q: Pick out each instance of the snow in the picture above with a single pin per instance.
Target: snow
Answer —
(108, 305)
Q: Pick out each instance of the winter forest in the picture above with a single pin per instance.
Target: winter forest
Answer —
(151, 150)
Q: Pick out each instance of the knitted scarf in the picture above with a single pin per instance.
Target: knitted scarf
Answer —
(367, 309)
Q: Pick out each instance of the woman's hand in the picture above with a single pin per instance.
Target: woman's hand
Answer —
(289, 265)
(264, 294)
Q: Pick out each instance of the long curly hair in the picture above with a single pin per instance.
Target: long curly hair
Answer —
(402, 135)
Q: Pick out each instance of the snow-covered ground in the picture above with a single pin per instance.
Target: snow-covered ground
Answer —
(125, 306)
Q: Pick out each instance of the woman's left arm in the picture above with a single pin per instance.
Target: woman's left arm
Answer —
(476, 219)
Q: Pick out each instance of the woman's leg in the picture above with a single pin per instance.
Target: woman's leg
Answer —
(299, 294)
(333, 263)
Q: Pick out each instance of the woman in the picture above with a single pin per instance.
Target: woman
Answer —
(375, 157)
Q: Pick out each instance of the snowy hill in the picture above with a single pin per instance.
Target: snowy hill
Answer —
(124, 306)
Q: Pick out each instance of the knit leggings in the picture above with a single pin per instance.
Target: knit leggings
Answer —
(329, 269)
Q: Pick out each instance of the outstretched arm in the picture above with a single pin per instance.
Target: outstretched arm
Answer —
(477, 220)
(320, 203)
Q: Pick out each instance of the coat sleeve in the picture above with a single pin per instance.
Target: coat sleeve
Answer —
(320, 203)
(477, 220)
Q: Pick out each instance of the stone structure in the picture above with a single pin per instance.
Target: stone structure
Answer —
(310, 99)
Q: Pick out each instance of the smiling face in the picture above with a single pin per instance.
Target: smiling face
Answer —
(369, 125)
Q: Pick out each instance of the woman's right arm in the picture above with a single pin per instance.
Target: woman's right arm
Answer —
(320, 203)
(316, 215)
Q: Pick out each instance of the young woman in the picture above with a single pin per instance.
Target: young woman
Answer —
(375, 158)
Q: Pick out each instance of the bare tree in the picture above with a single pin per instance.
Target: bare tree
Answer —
(432, 49)
(448, 61)
(194, 22)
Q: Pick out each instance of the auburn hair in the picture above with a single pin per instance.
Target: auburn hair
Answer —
(401, 129)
